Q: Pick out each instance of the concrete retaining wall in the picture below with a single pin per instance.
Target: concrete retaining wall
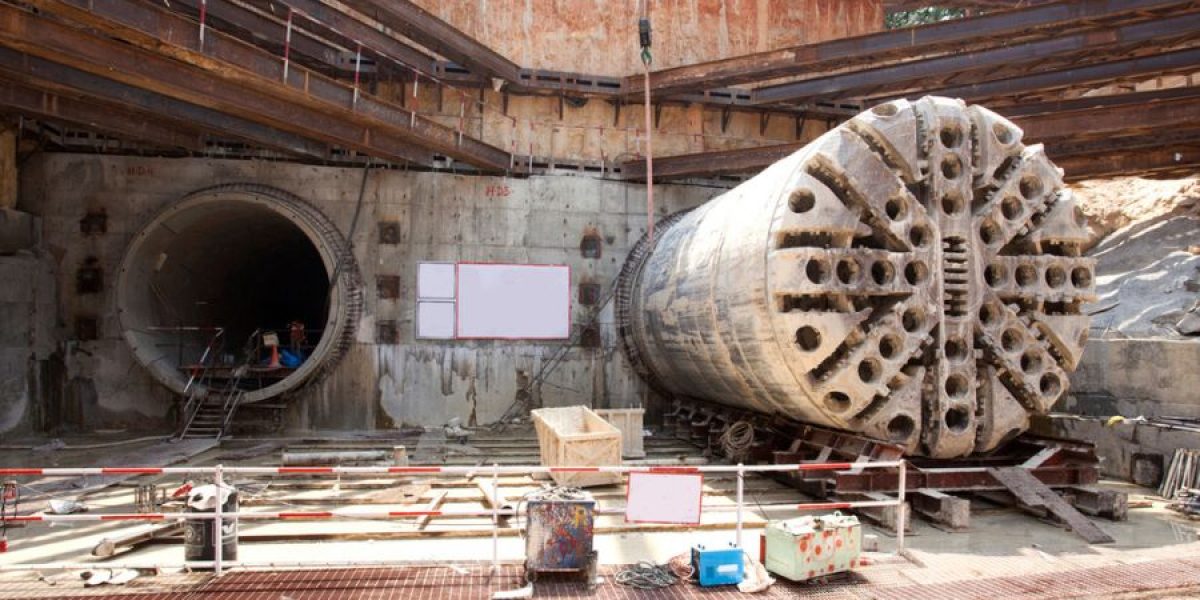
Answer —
(440, 217)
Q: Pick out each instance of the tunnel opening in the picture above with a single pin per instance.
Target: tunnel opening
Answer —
(234, 288)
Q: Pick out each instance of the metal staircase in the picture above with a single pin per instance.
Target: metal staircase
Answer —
(209, 411)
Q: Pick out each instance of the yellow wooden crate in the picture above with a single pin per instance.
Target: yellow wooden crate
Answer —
(574, 436)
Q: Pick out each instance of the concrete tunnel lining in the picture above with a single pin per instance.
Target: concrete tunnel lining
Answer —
(239, 257)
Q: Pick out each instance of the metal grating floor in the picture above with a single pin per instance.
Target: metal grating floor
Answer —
(444, 584)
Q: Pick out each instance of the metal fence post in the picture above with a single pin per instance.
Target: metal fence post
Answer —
(495, 518)
(218, 526)
(902, 507)
(741, 476)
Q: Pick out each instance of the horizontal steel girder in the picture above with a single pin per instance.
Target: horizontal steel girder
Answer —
(43, 74)
(872, 50)
(106, 118)
(897, 77)
(232, 74)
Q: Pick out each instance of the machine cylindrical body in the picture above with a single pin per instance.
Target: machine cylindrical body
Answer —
(913, 274)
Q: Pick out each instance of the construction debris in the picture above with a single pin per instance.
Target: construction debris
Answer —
(1183, 473)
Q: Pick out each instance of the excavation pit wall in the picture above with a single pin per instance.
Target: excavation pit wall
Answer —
(92, 207)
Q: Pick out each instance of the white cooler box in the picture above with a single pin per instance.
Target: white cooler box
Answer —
(808, 547)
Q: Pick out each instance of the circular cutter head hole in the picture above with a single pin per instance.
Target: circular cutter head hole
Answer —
(956, 349)
(808, 338)
(896, 207)
(1031, 362)
(1081, 277)
(1049, 384)
(952, 204)
(957, 419)
(996, 274)
(912, 319)
(989, 314)
(919, 236)
(951, 137)
(869, 370)
(1031, 187)
(1012, 208)
(889, 346)
(1055, 276)
(956, 385)
(802, 200)
(848, 270)
(915, 272)
(817, 270)
(951, 166)
(1003, 134)
(989, 232)
(1026, 275)
(837, 402)
(1012, 339)
(900, 428)
(882, 272)
(886, 110)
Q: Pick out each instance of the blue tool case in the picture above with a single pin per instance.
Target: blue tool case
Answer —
(718, 566)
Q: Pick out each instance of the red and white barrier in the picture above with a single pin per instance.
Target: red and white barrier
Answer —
(219, 472)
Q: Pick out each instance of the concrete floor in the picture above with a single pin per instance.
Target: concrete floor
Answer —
(1001, 542)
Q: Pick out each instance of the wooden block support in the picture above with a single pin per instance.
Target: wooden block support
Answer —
(8, 168)
(951, 512)
(1109, 504)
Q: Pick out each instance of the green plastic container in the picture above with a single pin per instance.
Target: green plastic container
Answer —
(808, 547)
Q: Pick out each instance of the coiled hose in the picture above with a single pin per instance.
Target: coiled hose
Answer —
(737, 440)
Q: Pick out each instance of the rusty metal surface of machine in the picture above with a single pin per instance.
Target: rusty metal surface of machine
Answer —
(913, 275)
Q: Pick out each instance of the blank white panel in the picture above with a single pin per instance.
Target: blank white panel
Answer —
(435, 280)
(514, 301)
(664, 498)
(435, 320)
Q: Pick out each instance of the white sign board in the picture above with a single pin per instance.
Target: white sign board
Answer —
(500, 301)
(435, 280)
(435, 320)
(664, 498)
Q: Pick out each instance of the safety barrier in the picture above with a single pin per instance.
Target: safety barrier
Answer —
(219, 472)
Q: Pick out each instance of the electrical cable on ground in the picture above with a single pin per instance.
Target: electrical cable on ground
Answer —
(737, 440)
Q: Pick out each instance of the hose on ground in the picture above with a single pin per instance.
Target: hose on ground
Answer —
(646, 575)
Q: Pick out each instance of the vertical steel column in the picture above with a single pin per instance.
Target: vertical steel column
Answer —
(218, 527)
(495, 518)
(741, 477)
(902, 507)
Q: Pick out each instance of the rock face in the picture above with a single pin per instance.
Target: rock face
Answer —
(914, 274)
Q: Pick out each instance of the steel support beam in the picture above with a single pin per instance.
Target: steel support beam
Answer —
(421, 26)
(1124, 119)
(374, 39)
(897, 78)
(102, 117)
(1158, 64)
(1163, 161)
(709, 164)
(1166, 112)
(879, 48)
(46, 75)
(251, 79)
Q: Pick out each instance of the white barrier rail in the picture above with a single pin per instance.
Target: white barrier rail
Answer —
(219, 472)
